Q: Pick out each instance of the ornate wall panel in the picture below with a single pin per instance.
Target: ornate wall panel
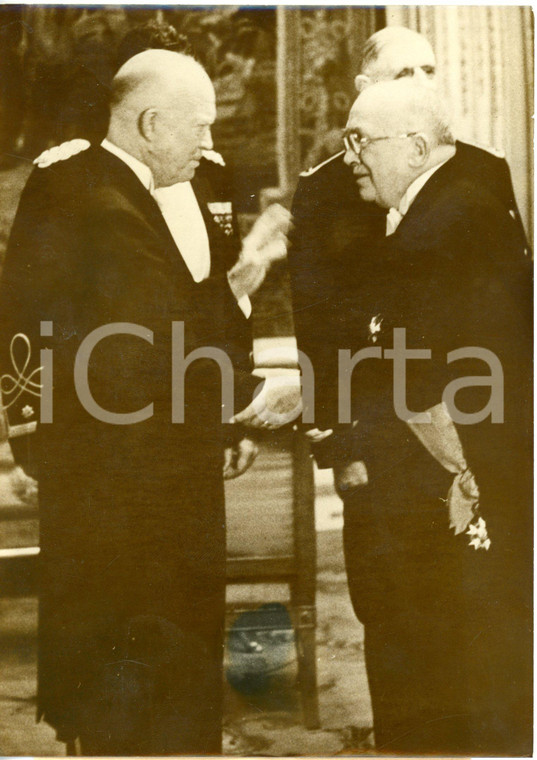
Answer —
(318, 56)
(485, 69)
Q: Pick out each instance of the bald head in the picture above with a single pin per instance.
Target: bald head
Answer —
(162, 108)
(396, 52)
(153, 76)
(403, 106)
(416, 136)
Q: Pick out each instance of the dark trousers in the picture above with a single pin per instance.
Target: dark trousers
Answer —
(174, 707)
(447, 641)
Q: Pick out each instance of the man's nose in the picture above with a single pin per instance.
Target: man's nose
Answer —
(351, 157)
(207, 139)
(419, 76)
(423, 79)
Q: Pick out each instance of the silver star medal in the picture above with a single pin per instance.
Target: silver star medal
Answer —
(375, 327)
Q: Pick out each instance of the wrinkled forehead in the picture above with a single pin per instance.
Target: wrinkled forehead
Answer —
(395, 57)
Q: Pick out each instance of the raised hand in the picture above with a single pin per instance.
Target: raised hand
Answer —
(265, 243)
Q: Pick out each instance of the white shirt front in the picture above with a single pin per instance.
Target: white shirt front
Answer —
(181, 211)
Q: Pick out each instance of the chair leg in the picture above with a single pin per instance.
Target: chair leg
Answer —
(307, 664)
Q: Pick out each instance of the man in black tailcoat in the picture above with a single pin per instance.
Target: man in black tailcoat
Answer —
(132, 564)
(438, 536)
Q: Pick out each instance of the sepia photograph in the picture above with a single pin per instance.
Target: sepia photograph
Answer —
(266, 380)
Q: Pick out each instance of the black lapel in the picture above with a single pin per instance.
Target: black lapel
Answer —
(113, 169)
(418, 229)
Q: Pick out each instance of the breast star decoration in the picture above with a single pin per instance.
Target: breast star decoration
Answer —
(479, 538)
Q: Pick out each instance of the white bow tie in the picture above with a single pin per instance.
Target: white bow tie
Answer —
(393, 220)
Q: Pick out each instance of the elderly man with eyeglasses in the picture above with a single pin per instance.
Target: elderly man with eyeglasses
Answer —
(330, 210)
(437, 535)
(345, 210)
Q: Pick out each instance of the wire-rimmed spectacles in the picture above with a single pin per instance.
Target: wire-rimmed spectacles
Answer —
(353, 141)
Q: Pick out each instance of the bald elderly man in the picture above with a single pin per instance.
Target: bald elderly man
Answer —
(131, 449)
(329, 213)
(437, 533)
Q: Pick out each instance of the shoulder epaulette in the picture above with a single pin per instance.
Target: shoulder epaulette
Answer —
(61, 153)
(212, 155)
(488, 148)
(313, 169)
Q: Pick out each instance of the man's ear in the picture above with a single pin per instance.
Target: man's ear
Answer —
(420, 150)
(361, 81)
(146, 123)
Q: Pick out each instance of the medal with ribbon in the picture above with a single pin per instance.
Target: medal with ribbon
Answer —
(223, 215)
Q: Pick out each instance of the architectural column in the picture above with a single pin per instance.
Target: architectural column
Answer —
(485, 69)
(288, 87)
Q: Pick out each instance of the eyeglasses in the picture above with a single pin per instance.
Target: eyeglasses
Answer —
(353, 141)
